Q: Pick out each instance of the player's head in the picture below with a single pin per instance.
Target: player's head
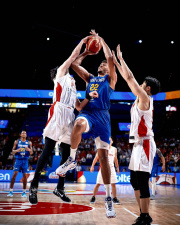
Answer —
(111, 140)
(103, 68)
(151, 85)
(53, 72)
(23, 134)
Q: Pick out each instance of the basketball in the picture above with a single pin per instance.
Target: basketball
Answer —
(93, 44)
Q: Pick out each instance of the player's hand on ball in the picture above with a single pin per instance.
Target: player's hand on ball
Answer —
(94, 94)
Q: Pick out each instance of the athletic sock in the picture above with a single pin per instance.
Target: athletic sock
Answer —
(108, 190)
(73, 153)
(153, 185)
(11, 190)
(24, 190)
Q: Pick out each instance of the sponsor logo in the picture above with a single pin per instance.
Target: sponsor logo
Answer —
(53, 176)
(123, 178)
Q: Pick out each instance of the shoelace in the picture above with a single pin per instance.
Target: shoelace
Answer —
(67, 163)
(109, 205)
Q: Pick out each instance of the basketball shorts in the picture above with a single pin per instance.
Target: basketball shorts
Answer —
(154, 172)
(60, 123)
(114, 180)
(99, 124)
(143, 155)
(21, 165)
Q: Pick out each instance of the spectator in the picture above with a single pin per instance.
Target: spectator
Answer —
(175, 168)
(78, 167)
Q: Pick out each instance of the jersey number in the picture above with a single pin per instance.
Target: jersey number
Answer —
(94, 87)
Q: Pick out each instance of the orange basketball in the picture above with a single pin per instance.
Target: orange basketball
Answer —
(93, 44)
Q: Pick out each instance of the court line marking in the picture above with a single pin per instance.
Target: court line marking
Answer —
(130, 212)
(177, 214)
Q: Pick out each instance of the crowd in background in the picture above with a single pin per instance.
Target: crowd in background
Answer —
(170, 149)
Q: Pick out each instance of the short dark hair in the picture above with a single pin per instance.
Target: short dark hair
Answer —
(153, 83)
(53, 72)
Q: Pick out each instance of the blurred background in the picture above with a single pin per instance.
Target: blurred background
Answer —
(42, 36)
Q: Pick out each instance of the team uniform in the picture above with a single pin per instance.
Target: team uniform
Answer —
(61, 114)
(96, 112)
(156, 163)
(141, 134)
(111, 155)
(22, 157)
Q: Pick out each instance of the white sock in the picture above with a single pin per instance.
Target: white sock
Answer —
(11, 190)
(73, 153)
(24, 190)
(153, 185)
(108, 190)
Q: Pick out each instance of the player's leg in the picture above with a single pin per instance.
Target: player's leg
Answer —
(12, 184)
(24, 185)
(135, 185)
(95, 190)
(48, 148)
(143, 181)
(114, 193)
(59, 190)
(81, 125)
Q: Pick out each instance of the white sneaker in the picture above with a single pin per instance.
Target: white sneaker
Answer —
(68, 165)
(110, 212)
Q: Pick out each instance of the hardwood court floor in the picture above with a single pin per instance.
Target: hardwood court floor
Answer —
(165, 210)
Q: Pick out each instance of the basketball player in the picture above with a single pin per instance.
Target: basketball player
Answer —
(112, 154)
(141, 134)
(154, 172)
(22, 148)
(60, 121)
(95, 116)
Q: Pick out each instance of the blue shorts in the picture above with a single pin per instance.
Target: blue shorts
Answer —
(154, 171)
(21, 165)
(99, 123)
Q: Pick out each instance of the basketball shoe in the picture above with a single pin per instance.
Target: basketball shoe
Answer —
(116, 201)
(93, 199)
(24, 195)
(33, 195)
(110, 212)
(61, 193)
(10, 194)
(68, 165)
(143, 220)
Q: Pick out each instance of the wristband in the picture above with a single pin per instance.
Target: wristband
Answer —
(88, 96)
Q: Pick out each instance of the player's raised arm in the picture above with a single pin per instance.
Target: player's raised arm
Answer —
(81, 71)
(109, 58)
(63, 68)
(128, 75)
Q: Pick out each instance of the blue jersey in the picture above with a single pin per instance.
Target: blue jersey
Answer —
(23, 154)
(101, 85)
(97, 110)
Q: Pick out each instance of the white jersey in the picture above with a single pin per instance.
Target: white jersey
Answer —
(111, 155)
(65, 90)
(141, 122)
(141, 134)
(61, 114)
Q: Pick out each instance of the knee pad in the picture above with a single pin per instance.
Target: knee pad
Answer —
(134, 183)
(144, 191)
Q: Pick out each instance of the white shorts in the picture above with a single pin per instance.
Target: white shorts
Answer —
(113, 176)
(60, 123)
(143, 155)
